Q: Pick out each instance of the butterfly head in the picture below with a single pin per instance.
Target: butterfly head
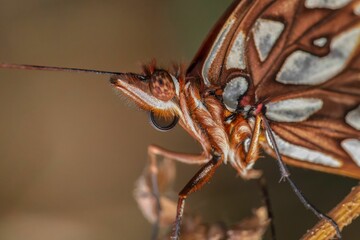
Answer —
(155, 91)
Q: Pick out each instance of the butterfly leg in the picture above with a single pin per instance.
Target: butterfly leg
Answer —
(251, 156)
(156, 151)
(345, 213)
(253, 152)
(199, 179)
(285, 175)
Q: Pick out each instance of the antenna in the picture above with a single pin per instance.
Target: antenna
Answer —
(58, 69)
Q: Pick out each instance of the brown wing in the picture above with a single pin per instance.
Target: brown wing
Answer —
(295, 49)
(326, 130)
(228, 36)
(316, 58)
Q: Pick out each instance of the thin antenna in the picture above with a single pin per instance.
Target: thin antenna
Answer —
(59, 69)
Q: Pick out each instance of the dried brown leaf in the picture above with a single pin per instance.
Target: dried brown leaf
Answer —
(252, 228)
(146, 200)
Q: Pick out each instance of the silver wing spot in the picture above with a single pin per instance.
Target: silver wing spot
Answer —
(236, 57)
(357, 9)
(302, 153)
(233, 90)
(293, 110)
(320, 42)
(215, 49)
(304, 68)
(266, 33)
(353, 118)
(352, 147)
(331, 4)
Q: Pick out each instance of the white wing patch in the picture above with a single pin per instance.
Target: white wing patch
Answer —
(320, 42)
(233, 90)
(357, 9)
(304, 68)
(215, 49)
(293, 110)
(266, 33)
(352, 147)
(353, 118)
(331, 4)
(236, 57)
(302, 153)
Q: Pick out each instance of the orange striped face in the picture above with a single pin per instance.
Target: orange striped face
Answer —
(156, 91)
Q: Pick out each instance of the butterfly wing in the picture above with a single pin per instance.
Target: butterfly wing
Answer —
(222, 53)
(312, 88)
(302, 57)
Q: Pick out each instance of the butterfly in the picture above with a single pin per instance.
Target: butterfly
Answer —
(282, 76)
(294, 66)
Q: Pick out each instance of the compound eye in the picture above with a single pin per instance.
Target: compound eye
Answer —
(162, 86)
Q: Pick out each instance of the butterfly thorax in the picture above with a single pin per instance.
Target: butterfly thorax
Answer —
(220, 130)
(220, 118)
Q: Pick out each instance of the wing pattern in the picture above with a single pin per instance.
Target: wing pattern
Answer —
(302, 60)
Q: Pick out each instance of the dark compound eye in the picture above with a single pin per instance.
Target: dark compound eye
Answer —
(162, 85)
(162, 124)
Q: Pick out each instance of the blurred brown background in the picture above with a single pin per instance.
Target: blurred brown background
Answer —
(71, 149)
